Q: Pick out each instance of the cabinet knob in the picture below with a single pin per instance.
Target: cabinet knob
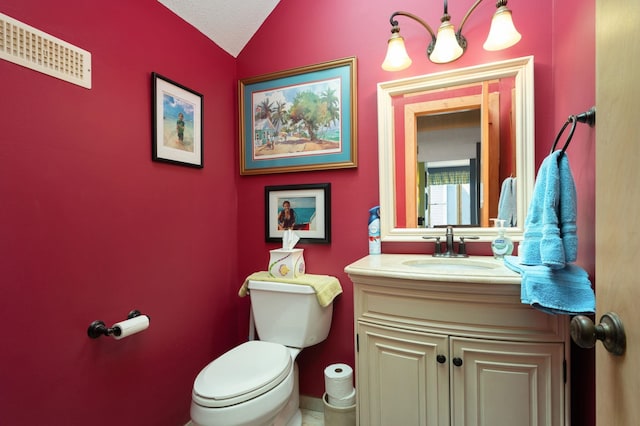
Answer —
(610, 330)
(441, 359)
(457, 361)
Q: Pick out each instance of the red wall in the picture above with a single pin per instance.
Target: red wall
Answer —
(306, 32)
(91, 228)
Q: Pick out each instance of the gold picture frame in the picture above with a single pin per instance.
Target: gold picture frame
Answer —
(300, 119)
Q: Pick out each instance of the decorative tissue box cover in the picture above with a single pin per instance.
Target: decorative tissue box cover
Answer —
(286, 263)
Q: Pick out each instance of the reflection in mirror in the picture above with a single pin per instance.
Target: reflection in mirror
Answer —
(448, 164)
(447, 143)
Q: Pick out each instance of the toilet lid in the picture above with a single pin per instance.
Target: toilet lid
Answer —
(246, 371)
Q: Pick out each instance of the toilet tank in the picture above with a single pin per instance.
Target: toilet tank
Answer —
(289, 314)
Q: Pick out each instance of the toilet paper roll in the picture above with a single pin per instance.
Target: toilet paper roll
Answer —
(130, 326)
(347, 401)
(338, 381)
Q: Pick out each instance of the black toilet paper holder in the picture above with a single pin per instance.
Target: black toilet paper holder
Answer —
(99, 328)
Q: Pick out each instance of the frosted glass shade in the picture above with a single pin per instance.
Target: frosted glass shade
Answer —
(397, 58)
(503, 33)
(447, 48)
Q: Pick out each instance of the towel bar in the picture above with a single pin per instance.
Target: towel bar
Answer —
(588, 117)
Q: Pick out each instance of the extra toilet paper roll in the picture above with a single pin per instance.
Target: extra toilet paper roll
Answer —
(130, 326)
(338, 381)
(347, 401)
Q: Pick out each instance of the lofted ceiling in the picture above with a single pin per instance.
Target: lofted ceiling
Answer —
(229, 23)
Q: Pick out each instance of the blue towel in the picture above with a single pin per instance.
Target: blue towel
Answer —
(550, 231)
(555, 291)
(507, 202)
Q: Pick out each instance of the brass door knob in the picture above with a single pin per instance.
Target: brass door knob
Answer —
(610, 331)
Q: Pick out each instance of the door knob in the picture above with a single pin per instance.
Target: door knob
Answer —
(610, 330)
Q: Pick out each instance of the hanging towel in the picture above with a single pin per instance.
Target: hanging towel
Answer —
(507, 202)
(554, 291)
(568, 211)
(550, 232)
(326, 287)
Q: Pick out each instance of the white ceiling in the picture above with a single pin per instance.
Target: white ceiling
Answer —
(229, 23)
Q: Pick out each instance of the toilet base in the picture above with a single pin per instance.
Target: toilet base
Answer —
(291, 415)
(296, 420)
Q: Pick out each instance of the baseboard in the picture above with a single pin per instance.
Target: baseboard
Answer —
(311, 403)
(306, 402)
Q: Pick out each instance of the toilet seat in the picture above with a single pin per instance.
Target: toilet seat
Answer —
(245, 372)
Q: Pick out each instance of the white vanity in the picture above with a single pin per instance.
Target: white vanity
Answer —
(447, 342)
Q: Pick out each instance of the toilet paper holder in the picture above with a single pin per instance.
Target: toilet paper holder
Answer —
(99, 328)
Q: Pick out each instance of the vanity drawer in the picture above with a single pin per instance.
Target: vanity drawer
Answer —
(458, 310)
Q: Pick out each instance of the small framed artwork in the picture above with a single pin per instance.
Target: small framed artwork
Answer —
(299, 119)
(305, 209)
(177, 123)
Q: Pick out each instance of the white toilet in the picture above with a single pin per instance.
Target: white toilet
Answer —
(256, 383)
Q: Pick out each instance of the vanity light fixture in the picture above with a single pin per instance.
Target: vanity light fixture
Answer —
(448, 45)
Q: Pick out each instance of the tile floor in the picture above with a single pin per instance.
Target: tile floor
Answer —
(312, 418)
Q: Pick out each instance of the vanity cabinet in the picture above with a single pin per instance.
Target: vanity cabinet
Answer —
(454, 350)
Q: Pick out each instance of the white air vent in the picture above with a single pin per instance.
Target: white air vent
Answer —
(32, 48)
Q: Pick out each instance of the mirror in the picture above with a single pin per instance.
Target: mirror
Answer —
(447, 142)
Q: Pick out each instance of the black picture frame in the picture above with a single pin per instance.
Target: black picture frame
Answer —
(177, 123)
(312, 206)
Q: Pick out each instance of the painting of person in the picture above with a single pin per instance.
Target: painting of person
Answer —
(180, 127)
(286, 217)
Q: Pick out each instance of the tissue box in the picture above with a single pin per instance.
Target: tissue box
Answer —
(286, 263)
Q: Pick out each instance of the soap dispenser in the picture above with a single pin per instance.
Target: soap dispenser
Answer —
(502, 245)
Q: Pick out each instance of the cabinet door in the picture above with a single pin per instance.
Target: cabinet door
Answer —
(400, 380)
(506, 383)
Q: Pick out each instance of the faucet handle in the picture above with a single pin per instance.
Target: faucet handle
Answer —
(437, 247)
(462, 247)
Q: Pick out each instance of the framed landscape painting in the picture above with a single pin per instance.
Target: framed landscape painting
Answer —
(299, 119)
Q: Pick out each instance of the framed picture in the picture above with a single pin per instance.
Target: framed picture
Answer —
(300, 119)
(177, 123)
(304, 208)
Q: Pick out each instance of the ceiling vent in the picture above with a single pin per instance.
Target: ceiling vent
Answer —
(34, 49)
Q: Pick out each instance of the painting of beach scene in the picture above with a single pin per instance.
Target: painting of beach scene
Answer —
(177, 123)
(297, 120)
(301, 119)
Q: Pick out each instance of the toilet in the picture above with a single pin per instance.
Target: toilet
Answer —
(256, 383)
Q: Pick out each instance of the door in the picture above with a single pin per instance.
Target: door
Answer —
(506, 383)
(618, 205)
(401, 381)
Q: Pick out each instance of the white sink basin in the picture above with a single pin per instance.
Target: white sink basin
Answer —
(452, 264)
(417, 267)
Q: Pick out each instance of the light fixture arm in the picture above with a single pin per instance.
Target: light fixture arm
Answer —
(416, 18)
(461, 40)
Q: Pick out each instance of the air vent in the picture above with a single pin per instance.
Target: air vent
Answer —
(39, 51)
